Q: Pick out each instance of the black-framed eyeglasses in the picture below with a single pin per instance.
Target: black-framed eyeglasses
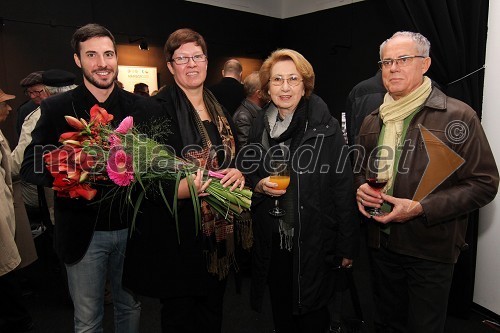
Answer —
(182, 60)
(400, 62)
(292, 80)
(33, 93)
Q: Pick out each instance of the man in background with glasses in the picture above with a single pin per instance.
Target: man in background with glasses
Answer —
(36, 91)
(442, 168)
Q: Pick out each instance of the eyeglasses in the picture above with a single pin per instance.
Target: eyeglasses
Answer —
(33, 93)
(292, 80)
(400, 62)
(182, 60)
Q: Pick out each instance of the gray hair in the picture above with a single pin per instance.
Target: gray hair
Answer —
(58, 90)
(251, 83)
(422, 43)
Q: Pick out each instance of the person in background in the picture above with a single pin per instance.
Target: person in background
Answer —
(229, 90)
(14, 317)
(296, 255)
(364, 97)
(141, 89)
(55, 81)
(90, 236)
(188, 274)
(249, 108)
(35, 90)
(416, 243)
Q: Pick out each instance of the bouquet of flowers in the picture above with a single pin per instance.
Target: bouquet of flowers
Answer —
(96, 152)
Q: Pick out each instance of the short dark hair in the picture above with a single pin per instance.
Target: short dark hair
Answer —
(88, 31)
(141, 87)
(180, 37)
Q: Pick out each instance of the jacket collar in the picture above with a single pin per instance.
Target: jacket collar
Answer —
(436, 101)
(251, 107)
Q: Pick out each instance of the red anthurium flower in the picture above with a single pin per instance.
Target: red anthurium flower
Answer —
(55, 156)
(85, 191)
(99, 115)
(62, 182)
(75, 123)
(74, 174)
(86, 161)
(70, 136)
(74, 143)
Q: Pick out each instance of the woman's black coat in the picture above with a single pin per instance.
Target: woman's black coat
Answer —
(327, 225)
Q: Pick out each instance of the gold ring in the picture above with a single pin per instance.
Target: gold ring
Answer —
(361, 201)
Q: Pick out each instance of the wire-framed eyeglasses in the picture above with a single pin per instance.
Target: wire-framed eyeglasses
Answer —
(400, 62)
(33, 93)
(292, 80)
(182, 60)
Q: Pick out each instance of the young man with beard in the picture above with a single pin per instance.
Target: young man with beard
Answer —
(90, 236)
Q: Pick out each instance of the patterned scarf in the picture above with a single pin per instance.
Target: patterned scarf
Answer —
(217, 232)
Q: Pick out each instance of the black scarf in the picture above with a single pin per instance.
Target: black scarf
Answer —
(292, 137)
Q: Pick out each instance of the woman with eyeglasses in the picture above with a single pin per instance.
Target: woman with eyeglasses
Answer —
(298, 253)
(189, 275)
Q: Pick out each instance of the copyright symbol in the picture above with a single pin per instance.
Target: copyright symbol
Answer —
(457, 131)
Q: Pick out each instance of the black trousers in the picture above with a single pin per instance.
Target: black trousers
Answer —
(411, 293)
(12, 309)
(192, 314)
(280, 283)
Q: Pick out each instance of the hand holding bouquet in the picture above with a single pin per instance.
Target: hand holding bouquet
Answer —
(96, 153)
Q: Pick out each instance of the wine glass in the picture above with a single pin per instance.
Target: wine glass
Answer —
(377, 176)
(280, 174)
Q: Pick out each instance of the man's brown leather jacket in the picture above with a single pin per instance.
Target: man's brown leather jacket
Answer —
(439, 234)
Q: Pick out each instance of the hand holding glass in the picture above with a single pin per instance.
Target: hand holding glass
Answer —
(280, 174)
(377, 177)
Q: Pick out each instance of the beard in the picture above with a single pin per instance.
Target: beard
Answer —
(97, 83)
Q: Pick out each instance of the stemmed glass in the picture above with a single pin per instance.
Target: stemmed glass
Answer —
(280, 174)
(377, 176)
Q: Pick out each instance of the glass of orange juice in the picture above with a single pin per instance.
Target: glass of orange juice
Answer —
(280, 174)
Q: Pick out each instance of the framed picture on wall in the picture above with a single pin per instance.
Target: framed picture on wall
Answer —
(130, 75)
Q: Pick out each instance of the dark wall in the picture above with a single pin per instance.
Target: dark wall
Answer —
(341, 43)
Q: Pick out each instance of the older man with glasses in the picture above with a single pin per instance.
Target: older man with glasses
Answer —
(441, 168)
(36, 91)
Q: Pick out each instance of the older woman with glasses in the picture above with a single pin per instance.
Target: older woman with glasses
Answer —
(187, 275)
(296, 252)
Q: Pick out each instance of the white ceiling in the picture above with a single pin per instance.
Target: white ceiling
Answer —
(277, 8)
